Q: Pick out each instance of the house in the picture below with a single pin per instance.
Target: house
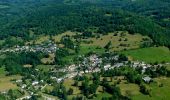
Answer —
(18, 81)
(147, 79)
(23, 86)
(59, 80)
(35, 82)
(106, 67)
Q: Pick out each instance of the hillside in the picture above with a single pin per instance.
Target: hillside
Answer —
(84, 49)
(57, 16)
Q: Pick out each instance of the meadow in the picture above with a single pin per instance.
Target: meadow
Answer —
(128, 89)
(157, 92)
(120, 40)
(5, 81)
(149, 55)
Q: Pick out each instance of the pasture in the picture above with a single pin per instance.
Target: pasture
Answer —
(149, 55)
(6, 81)
(157, 92)
(120, 40)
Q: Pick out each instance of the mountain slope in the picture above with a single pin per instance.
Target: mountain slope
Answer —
(148, 17)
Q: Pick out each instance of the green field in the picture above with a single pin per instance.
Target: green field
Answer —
(5, 81)
(123, 40)
(149, 55)
(129, 89)
(157, 93)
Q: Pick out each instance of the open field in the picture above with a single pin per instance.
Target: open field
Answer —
(157, 93)
(44, 68)
(2, 72)
(48, 60)
(101, 95)
(69, 84)
(149, 55)
(121, 41)
(58, 37)
(43, 38)
(5, 81)
(87, 49)
(130, 89)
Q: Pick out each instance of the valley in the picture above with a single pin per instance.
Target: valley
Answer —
(84, 49)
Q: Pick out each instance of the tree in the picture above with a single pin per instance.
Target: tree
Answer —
(144, 89)
(70, 91)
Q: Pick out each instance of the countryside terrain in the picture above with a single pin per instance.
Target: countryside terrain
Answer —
(84, 49)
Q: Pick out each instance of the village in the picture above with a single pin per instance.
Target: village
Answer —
(90, 64)
(49, 47)
(36, 82)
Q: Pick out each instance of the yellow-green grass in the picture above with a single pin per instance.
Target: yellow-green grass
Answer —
(58, 37)
(149, 55)
(48, 88)
(86, 49)
(45, 96)
(134, 41)
(2, 71)
(129, 89)
(6, 83)
(157, 93)
(48, 60)
(27, 66)
(101, 95)
(41, 39)
(167, 66)
(45, 68)
(69, 84)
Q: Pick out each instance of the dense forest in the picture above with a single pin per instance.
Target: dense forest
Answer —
(51, 17)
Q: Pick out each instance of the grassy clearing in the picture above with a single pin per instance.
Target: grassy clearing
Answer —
(157, 93)
(122, 38)
(87, 49)
(47, 97)
(2, 71)
(6, 84)
(5, 81)
(129, 89)
(149, 55)
(68, 84)
(101, 95)
(45, 68)
(167, 66)
(48, 60)
(41, 39)
(57, 38)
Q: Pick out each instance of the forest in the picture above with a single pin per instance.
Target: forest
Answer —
(51, 17)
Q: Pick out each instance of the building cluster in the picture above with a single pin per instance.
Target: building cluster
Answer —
(45, 48)
(89, 64)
